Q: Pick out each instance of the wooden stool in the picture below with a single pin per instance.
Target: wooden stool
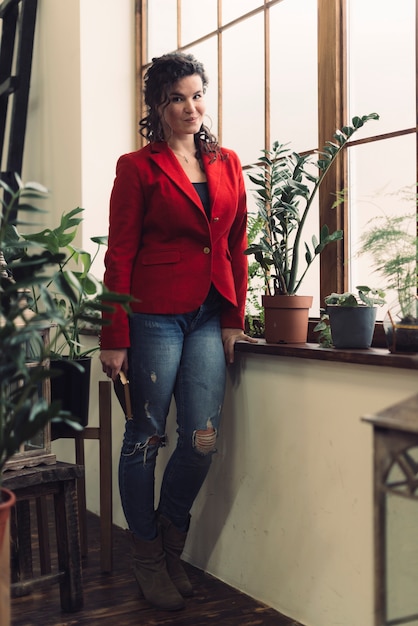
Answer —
(395, 438)
(32, 484)
(103, 434)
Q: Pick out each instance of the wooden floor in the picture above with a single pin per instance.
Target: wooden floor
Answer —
(112, 599)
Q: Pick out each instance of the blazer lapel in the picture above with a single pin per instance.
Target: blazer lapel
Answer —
(163, 157)
(213, 175)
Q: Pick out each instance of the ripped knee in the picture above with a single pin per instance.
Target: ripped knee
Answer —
(204, 441)
(157, 440)
(154, 443)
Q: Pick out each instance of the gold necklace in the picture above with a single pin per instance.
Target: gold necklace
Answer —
(183, 156)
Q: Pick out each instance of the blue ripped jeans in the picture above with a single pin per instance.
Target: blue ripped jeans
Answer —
(180, 355)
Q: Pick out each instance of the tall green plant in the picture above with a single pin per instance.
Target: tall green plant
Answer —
(285, 190)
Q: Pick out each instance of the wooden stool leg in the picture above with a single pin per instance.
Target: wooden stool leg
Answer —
(68, 545)
(81, 494)
(14, 548)
(43, 534)
(105, 447)
(21, 543)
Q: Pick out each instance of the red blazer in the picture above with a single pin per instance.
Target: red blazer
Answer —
(162, 248)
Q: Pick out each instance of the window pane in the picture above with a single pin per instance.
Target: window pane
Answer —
(162, 27)
(243, 89)
(231, 9)
(193, 24)
(294, 70)
(380, 185)
(382, 63)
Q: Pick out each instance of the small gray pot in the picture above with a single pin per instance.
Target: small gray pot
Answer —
(352, 327)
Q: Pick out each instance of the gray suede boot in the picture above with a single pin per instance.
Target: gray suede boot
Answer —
(151, 574)
(173, 544)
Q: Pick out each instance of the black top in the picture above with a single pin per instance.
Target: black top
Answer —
(203, 191)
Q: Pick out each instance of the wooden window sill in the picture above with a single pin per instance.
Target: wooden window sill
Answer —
(373, 356)
(378, 354)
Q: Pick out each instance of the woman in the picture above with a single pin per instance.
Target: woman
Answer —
(176, 241)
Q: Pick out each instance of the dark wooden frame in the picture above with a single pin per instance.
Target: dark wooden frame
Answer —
(395, 431)
(16, 50)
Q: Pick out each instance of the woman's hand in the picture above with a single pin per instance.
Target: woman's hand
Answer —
(229, 337)
(113, 361)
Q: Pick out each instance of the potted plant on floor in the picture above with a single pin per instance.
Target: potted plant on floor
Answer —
(349, 319)
(285, 190)
(393, 243)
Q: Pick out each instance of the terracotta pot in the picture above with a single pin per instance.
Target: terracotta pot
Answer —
(7, 501)
(286, 318)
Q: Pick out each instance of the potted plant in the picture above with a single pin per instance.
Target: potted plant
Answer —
(393, 243)
(285, 190)
(349, 319)
(72, 285)
(79, 296)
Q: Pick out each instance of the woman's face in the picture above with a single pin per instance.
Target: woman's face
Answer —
(183, 115)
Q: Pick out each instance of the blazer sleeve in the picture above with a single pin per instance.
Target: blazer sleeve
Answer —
(125, 224)
(233, 316)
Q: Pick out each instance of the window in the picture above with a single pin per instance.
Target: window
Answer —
(294, 71)
(381, 76)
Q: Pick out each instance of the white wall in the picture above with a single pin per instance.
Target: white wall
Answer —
(286, 514)
(82, 106)
(53, 138)
(108, 122)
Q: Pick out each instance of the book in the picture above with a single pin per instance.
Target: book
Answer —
(121, 387)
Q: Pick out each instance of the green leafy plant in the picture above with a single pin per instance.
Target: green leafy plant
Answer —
(285, 190)
(366, 296)
(392, 242)
(324, 331)
(254, 312)
(76, 291)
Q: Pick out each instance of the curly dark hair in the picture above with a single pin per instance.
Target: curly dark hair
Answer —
(160, 76)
